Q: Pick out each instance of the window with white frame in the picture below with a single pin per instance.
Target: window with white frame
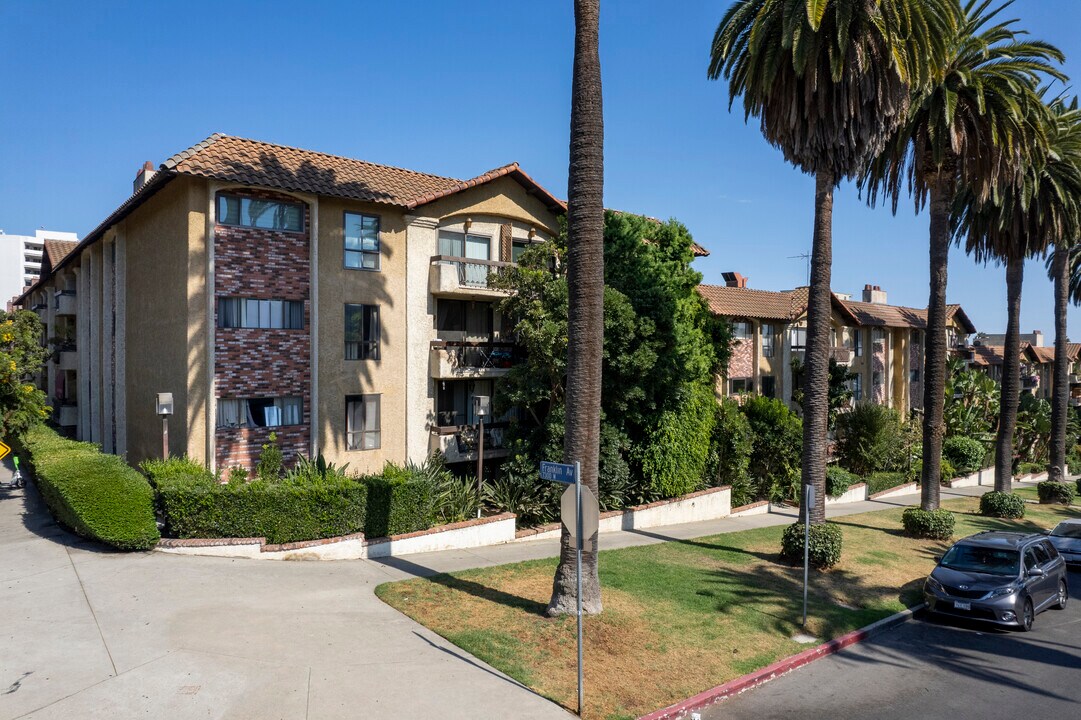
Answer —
(362, 422)
(797, 337)
(259, 412)
(361, 332)
(235, 312)
(857, 342)
(262, 214)
(741, 329)
(361, 241)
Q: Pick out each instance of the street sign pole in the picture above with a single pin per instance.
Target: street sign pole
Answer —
(578, 560)
(808, 501)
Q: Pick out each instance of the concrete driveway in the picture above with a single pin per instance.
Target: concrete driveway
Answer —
(93, 634)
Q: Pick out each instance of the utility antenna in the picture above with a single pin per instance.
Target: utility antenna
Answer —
(807, 257)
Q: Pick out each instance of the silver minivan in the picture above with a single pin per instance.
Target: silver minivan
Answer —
(1005, 578)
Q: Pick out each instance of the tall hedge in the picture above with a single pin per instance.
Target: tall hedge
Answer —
(399, 501)
(674, 463)
(96, 495)
(195, 505)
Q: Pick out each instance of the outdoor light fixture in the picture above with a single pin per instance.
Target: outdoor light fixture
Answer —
(165, 409)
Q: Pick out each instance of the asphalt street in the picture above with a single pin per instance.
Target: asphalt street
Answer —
(931, 668)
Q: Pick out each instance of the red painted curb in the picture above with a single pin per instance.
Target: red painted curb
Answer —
(781, 667)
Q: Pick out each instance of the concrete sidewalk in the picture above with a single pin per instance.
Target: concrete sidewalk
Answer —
(89, 633)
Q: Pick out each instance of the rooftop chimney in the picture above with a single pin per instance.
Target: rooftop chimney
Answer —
(1037, 338)
(734, 279)
(145, 173)
(874, 294)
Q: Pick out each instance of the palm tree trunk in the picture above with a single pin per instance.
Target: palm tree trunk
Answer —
(934, 361)
(585, 282)
(816, 367)
(1060, 383)
(1011, 377)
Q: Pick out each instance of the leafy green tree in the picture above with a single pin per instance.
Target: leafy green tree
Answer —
(775, 460)
(21, 357)
(830, 81)
(966, 127)
(972, 399)
(730, 452)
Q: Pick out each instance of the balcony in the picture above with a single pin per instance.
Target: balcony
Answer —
(67, 358)
(1075, 379)
(1030, 382)
(464, 277)
(841, 355)
(64, 302)
(464, 359)
(458, 443)
(67, 413)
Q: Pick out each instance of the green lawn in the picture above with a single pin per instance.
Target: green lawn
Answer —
(681, 617)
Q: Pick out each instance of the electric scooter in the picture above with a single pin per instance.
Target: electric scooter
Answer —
(17, 480)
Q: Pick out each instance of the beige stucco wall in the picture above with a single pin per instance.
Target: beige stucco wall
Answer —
(166, 319)
(337, 377)
(502, 198)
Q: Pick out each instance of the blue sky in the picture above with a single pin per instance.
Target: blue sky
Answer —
(91, 90)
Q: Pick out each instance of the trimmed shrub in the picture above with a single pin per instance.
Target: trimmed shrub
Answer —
(934, 524)
(730, 452)
(1055, 493)
(870, 439)
(964, 453)
(1073, 462)
(1029, 468)
(96, 495)
(1078, 483)
(877, 482)
(1003, 505)
(838, 480)
(824, 550)
(401, 500)
(778, 442)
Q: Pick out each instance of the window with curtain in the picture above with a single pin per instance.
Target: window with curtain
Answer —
(262, 214)
(362, 422)
(361, 241)
(259, 412)
(236, 312)
(361, 332)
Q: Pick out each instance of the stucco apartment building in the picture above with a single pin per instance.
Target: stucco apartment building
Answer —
(1037, 365)
(881, 344)
(341, 304)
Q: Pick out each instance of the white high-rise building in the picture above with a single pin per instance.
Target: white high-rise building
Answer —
(20, 259)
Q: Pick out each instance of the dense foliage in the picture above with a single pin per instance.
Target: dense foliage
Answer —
(823, 547)
(730, 452)
(933, 524)
(839, 480)
(1003, 505)
(21, 358)
(1056, 493)
(777, 442)
(1032, 434)
(95, 495)
(662, 348)
(870, 439)
(882, 481)
(972, 401)
(965, 454)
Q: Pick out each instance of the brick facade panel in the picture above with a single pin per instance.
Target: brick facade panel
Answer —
(742, 363)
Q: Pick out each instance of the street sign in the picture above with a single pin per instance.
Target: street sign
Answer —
(590, 512)
(4, 450)
(557, 472)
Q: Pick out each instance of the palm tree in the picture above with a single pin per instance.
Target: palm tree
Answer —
(1028, 217)
(830, 81)
(585, 284)
(967, 127)
(1065, 166)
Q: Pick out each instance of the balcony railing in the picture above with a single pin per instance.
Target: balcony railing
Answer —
(458, 443)
(452, 275)
(841, 354)
(464, 358)
(64, 302)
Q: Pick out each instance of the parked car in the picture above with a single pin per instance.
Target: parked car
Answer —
(1066, 537)
(1004, 578)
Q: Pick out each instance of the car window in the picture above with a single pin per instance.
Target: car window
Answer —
(1050, 549)
(1030, 560)
(975, 558)
(1042, 558)
(1067, 530)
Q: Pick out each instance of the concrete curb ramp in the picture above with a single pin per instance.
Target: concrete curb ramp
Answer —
(779, 668)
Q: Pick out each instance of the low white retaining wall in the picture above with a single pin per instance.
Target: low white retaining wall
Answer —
(906, 489)
(855, 493)
(762, 507)
(456, 536)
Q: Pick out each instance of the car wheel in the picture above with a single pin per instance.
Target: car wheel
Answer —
(1063, 595)
(1027, 615)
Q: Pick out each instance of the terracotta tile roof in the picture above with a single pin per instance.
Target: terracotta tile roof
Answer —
(879, 315)
(985, 355)
(57, 250)
(252, 162)
(1073, 350)
(1042, 355)
(759, 304)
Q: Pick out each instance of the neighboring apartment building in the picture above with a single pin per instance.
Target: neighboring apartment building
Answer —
(341, 304)
(1037, 366)
(21, 258)
(881, 344)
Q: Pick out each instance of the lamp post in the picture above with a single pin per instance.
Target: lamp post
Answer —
(165, 409)
(481, 408)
